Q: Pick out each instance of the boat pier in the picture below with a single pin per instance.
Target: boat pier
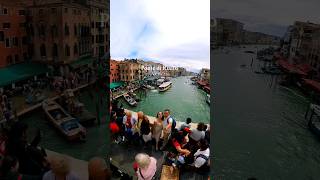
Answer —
(38, 105)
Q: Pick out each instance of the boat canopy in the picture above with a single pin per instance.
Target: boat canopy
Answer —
(114, 85)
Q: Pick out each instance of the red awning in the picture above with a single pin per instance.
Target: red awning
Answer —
(290, 67)
(206, 88)
(304, 67)
(314, 84)
(202, 83)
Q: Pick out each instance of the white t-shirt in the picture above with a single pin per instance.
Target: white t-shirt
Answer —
(200, 161)
(165, 121)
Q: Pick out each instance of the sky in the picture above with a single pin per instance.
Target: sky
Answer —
(267, 16)
(172, 32)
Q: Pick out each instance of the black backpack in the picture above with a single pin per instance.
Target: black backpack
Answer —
(174, 123)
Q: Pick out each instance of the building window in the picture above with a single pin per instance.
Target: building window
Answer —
(65, 10)
(55, 50)
(92, 24)
(5, 11)
(6, 25)
(7, 42)
(54, 10)
(66, 29)
(67, 50)
(15, 41)
(22, 25)
(75, 30)
(1, 36)
(74, 11)
(40, 11)
(75, 49)
(92, 39)
(43, 52)
(54, 31)
(97, 38)
(42, 30)
(22, 12)
(16, 58)
(24, 40)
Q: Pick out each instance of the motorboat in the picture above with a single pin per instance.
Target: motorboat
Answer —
(63, 122)
(313, 117)
(130, 100)
(77, 108)
(165, 86)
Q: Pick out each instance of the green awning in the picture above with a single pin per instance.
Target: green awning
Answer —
(116, 84)
(81, 62)
(22, 71)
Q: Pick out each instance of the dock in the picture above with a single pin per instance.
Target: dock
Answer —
(38, 105)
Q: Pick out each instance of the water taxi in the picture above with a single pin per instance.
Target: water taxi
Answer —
(314, 119)
(165, 86)
(130, 100)
(64, 122)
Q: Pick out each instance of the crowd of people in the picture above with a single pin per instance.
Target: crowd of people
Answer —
(184, 147)
(23, 160)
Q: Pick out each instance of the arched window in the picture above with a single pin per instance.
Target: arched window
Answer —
(66, 29)
(43, 52)
(67, 50)
(75, 30)
(75, 49)
(55, 50)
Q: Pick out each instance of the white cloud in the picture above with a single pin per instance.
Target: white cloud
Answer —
(175, 32)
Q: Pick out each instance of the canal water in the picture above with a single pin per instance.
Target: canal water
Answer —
(97, 135)
(183, 99)
(259, 127)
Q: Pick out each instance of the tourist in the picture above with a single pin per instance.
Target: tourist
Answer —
(197, 134)
(32, 160)
(114, 128)
(168, 126)
(145, 130)
(98, 169)
(140, 115)
(9, 170)
(178, 154)
(60, 169)
(186, 124)
(145, 166)
(201, 157)
(157, 129)
(130, 124)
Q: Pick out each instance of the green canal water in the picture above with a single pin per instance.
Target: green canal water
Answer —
(259, 127)
(183, 99)
(97, 135)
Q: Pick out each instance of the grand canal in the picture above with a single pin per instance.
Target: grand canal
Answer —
(183, 99)
(259, 128)
(97, 135)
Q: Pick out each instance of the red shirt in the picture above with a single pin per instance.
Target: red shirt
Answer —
(114, 127)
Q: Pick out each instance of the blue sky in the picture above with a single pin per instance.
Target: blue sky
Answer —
(173, 32)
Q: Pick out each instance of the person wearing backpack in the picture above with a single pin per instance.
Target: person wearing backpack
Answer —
(169, 124)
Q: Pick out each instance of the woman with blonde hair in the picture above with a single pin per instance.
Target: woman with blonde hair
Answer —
(60, 169)
(145, 166)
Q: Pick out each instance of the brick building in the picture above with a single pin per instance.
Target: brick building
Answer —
(114, 71)
(13, 36)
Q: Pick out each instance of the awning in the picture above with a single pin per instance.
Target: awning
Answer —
(114, 85)
(22, 71)
(312, 83)
(304, 67)
(202, 83)
(290, 67)
(81, 62)
(207, 88)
